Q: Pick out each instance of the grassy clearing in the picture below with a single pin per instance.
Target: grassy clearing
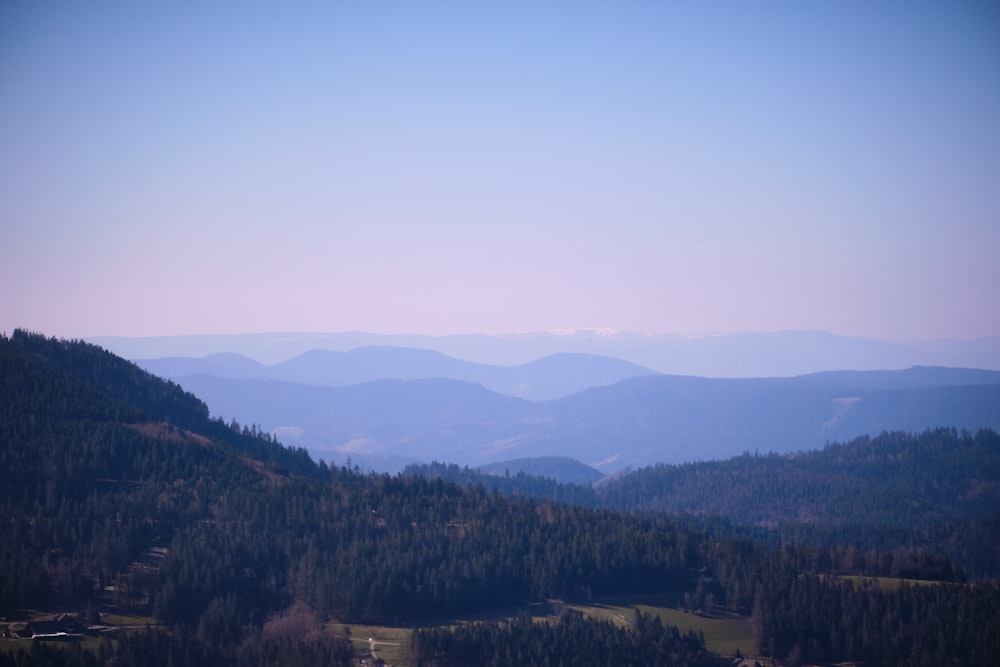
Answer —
(127, 620)
(889, 583)
(392, 644)
(723, 635)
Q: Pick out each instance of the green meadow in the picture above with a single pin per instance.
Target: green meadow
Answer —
(725, 635)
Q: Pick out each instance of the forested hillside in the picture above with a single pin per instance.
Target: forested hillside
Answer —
(117, 497)
(119, 492)
(908, 495)
(938, 490)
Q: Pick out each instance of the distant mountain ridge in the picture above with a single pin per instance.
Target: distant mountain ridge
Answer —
(546, 378)
(754, 354)
(636, 422)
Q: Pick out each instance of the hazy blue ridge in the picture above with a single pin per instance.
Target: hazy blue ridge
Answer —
(639, 421)
(547, 378)
(760, 354)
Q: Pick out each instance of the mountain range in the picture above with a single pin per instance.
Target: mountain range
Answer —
(760, 354)
(385, 424)
(384, 406)
(550, 377)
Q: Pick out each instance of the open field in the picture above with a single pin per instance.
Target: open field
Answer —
(128, 620)
(391, 643)
(723, 634)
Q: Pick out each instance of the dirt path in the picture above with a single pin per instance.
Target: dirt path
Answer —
(372, 643)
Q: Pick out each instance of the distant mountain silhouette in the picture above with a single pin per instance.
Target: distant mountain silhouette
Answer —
(640, 421)
(550, 377)
(223, 364)
(754, 354)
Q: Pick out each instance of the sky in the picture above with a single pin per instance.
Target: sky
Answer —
(486, 167)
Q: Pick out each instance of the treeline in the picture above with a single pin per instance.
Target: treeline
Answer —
(518, 484)
(572, 640)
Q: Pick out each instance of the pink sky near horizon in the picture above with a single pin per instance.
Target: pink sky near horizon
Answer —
(181, 169)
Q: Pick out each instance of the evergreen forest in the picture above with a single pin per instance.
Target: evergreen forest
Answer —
(121, 494)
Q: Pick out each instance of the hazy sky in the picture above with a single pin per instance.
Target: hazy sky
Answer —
(433, 167)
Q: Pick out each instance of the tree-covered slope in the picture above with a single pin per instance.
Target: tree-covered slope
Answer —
(894, 478)
(937, 490)
(68, 383)
(99, 461)
(118, 491)
(102, 463)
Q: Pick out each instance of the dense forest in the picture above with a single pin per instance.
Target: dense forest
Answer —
(895, 479)
(118, 490)
(909, 494)
(572, 640)
(936, 491)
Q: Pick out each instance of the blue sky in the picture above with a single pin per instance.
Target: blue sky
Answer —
(434, 167)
